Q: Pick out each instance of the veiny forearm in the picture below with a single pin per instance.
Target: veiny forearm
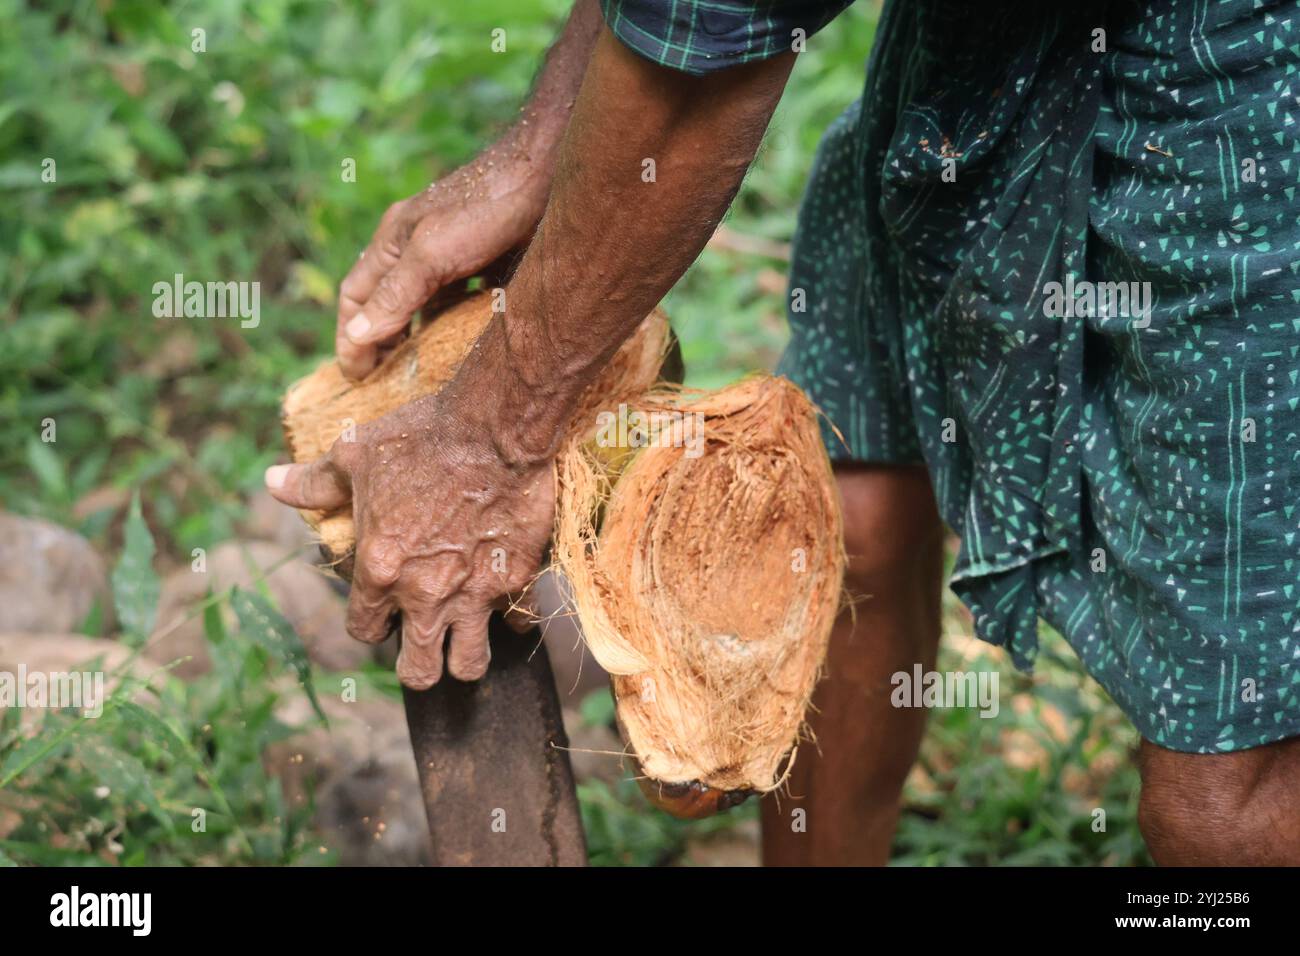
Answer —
(613, 240)
(469, 219)
(530, 147)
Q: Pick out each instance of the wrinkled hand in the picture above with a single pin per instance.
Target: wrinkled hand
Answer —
(450, 231)
(445, 531)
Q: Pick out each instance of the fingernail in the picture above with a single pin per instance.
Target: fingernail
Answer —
(357, 327)
(275, 476)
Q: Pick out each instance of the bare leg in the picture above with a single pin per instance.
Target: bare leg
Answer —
(847, 784)
(1237, 809)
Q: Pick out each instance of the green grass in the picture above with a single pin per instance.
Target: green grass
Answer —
(225, 164)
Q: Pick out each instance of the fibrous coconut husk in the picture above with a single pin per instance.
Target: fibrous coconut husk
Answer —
(706, 585)
(317, 409)
(706, 582)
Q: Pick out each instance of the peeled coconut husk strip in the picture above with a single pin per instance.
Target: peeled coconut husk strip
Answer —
(319, 407)
(707, 585)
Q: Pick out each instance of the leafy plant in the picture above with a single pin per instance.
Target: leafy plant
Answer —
(168, 773)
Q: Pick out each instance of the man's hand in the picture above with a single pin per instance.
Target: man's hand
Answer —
(452, 494)
(469, 219)
(446, 529)
(450, 231)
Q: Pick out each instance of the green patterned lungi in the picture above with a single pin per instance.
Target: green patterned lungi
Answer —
(1054, 253)
(1131, 475)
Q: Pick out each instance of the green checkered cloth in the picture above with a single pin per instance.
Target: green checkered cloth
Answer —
(700, 36)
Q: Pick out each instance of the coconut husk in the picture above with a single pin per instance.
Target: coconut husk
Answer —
(319, 408)
(706, 582)
(706, 585)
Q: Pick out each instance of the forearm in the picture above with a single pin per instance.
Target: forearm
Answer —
(528, 150)
(613, 240)
(464, 222)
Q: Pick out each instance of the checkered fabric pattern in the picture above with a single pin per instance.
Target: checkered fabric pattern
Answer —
(700, 36)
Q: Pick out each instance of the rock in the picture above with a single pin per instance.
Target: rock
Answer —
(734, 846)
(269, 520)
(594, 751)
(51, 654)
(361, 773)
(58, 652)
(50, 578)
(301, 592)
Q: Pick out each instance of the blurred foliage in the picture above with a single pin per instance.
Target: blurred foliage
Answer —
(1024, 788)
(170, 773)
(226, 164)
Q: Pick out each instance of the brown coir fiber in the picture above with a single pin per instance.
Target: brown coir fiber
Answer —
(707, 583)
(321, 406)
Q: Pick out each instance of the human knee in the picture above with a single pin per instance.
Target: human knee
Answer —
(892, 532)
(1214, 809)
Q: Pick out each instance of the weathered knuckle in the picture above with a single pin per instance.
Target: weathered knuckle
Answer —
(426, 585)
(364, 630)
(421, 637)
(351, 288)
(517, 580)
(342, 455)
(518, 571)
(367, 620)
(389, 247)
(380, 561)
(426, 240)
(393, 293)
(393, 214)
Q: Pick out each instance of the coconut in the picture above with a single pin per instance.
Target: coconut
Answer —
(322, 407)
(702, 544)
(706, 571)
